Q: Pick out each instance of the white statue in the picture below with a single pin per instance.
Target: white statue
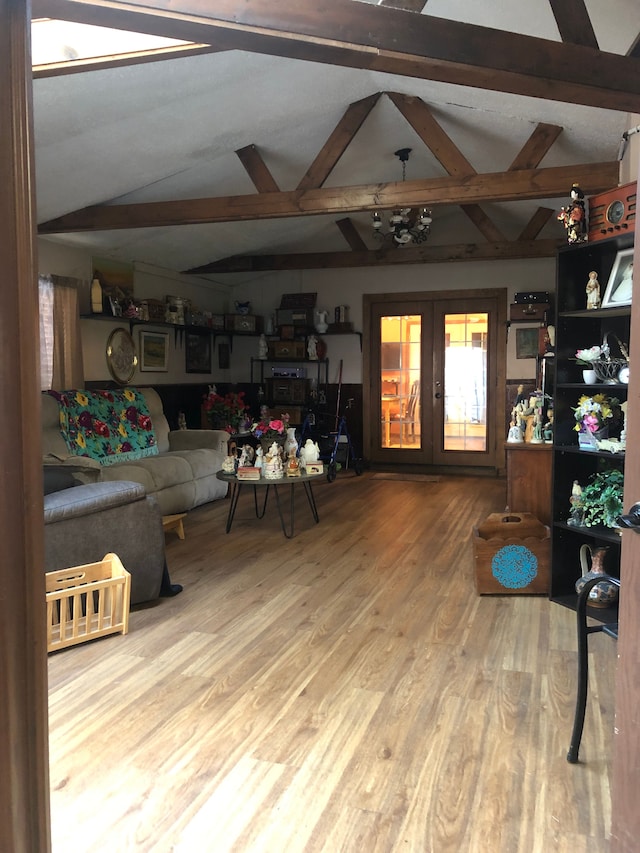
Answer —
(263, 348)
(312, 348)
(309, 453)
(258, 460)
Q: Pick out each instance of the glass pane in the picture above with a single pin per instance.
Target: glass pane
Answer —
(400, 343)
(465, 382)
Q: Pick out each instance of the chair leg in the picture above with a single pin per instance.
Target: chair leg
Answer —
(583, 664)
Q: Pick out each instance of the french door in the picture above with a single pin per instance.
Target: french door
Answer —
(432, 364)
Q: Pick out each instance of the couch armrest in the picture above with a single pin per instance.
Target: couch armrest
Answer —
(62, 472)
(195, 439)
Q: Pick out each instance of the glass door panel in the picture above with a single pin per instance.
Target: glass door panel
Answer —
(465, 382)
(400, 372)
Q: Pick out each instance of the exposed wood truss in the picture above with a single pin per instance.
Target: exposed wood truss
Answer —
(362, 35)
(496, 186)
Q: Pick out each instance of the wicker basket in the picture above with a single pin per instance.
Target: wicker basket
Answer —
(607, 370)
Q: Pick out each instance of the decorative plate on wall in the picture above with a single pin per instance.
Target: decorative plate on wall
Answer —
(121, 355)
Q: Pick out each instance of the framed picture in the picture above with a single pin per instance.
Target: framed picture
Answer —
(197, 352)
(527, 342)
(154, 351)
(620, 282)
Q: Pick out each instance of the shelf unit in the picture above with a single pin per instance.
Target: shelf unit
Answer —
(578, 328)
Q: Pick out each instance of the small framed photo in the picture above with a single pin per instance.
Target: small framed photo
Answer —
(527, 343)
(197, 352)
(154, 351)
(620, 284)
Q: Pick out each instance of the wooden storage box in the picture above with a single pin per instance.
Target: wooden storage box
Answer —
(534, 311)
(294, 316)
(287, 349)
(287, 391)
(86, 602)
(241, 323)
(512, 554)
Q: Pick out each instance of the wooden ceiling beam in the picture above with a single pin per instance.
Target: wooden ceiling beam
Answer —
(574, 23)
(483, 223)
(536, 147)
(423, 254)
(337, 143)
(351, 234)
(362, 35)
(496, 186)
(536, 223)
(257, 169)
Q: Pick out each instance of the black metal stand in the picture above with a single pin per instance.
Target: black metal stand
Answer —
(611, 629)
(292, 482)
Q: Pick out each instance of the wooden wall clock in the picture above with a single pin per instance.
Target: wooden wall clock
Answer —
(613, 212)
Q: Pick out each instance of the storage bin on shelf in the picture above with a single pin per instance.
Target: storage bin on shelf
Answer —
(512, 554)
(86, 602)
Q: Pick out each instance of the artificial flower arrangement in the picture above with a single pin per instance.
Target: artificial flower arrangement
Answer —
(588, 356)
(592, 413)
(230, 411)
(268, 429)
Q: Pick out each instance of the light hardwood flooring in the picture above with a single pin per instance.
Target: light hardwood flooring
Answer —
(346, 690)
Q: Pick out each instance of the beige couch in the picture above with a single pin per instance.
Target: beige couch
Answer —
(181, 477)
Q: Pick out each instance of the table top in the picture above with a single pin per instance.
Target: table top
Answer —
(283, 481)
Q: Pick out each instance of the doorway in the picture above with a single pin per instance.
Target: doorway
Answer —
(434, 368)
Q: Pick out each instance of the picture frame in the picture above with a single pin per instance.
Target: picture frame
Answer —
(527, 343)
(154, 351)
(197, 347)
(619, 286)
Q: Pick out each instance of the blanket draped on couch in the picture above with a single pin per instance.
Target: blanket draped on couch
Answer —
(109, 426)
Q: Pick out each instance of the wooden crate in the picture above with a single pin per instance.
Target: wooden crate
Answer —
(86, 602)
(512, 554)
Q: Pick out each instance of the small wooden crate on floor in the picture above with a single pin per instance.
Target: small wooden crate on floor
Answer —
(512, 554)
(86, 602)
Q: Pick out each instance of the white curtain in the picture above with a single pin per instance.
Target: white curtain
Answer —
(60, 341)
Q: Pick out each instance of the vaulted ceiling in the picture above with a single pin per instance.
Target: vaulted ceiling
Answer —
(269, 145)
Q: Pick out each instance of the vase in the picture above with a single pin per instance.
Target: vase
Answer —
(589, 376)
(605, 593)
(291, 442)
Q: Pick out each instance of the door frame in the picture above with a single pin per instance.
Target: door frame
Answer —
(495, 437)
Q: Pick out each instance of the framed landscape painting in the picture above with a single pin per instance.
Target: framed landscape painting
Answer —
(154, 351)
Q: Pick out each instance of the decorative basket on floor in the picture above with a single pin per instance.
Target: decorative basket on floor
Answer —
(86, 602)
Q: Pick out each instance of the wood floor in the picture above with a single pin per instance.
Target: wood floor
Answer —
(346, 690)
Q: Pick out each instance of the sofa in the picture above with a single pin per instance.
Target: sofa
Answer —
(85, 522)
(123, 435)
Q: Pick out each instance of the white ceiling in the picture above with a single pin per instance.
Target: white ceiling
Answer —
(169, 130)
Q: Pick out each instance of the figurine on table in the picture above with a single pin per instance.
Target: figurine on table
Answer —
(593, 291)
(577, 507)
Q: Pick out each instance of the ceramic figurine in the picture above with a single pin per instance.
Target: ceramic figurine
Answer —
(246, 456)
(312, 348)
(291, 443)
(263, 348)
(229, 464)
(272, 467)
(310, 452)
(293, 466)
(257, 463)
(593, 291)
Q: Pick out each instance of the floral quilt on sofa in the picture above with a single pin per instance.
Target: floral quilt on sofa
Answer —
(109, 426)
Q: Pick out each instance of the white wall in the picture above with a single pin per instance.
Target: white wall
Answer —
(347, 286)
(149, 281)
(333, 287)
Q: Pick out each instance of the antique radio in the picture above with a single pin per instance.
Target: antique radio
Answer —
(613, 212)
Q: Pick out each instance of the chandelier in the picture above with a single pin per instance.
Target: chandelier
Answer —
(406, 224)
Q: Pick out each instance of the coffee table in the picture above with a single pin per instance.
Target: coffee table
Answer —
(304, 480)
